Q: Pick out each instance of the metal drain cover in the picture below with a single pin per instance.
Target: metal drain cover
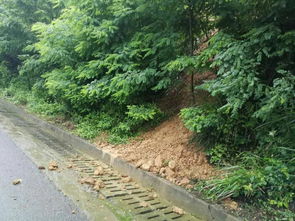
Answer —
(142, 203)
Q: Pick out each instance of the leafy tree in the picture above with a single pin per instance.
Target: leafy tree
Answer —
(254, 55)
(17, 17)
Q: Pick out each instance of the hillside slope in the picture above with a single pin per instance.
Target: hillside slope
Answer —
(166, 150)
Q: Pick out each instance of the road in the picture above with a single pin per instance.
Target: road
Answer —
(36, 198)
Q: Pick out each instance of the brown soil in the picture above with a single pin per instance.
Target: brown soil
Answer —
(166, 150)
(180, 95)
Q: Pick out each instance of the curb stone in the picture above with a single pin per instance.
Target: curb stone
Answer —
(175, 194)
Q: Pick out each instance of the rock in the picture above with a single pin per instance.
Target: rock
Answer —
(41, 167)
(98, 185)
(172, 165)
(16, 182)
(158, 161)
(172, 180)
(70, 166)
(88, 180)
(99, 171)
(105, 166)
(139, 163)
(126, 180)
(73, 212)
(154, 169)
(147, 166)
(184, 181)
(169, 172)
(82, 181)
(178, 210)
(144, 204)
(162, 171)
(154, 196)
(52, 166)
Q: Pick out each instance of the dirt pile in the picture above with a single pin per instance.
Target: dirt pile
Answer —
(166, 151)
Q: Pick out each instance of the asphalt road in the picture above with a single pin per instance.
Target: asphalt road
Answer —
(36, 198)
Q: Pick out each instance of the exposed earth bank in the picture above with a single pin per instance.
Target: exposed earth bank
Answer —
(166, 150)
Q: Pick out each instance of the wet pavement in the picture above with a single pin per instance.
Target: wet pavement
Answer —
(36, 197)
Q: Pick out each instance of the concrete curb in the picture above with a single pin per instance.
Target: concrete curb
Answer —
(177, 195)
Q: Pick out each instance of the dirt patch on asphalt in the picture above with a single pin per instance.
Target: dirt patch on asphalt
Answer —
(166, 150)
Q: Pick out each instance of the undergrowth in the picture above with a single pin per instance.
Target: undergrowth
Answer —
(120, 124)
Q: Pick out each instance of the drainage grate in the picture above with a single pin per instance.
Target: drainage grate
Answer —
(142, 203)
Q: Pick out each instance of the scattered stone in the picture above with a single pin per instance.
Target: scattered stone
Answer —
(82, 181)
(88, 180)
(16, 182)
(99, 171)
(154, 169)
(169, 172)
(126, 180)
(172, 180)
(73, 212)
(41, 167)
(147, 166)
(139, 163)
(184, 181)
(70, 166)
(162, 171)
(154, 196)
(172, 165)
(98, 185)
(158, 161)
(178, 210)
(105, 167)
(144, 204)
(52, 166)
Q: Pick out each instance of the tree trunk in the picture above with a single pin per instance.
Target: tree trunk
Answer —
(191, 40)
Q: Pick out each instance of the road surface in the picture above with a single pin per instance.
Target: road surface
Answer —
(36, 198)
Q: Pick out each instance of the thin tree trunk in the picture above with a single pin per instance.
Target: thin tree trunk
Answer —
(191, 39)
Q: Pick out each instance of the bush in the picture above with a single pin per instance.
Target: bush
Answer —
(92, 124)
(252, 126)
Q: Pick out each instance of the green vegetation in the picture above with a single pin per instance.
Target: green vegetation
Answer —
(104, 64)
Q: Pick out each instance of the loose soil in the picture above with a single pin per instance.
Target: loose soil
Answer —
(166, 150)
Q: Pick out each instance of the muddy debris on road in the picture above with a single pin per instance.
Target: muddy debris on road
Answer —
(52, 166)
(17, 181)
